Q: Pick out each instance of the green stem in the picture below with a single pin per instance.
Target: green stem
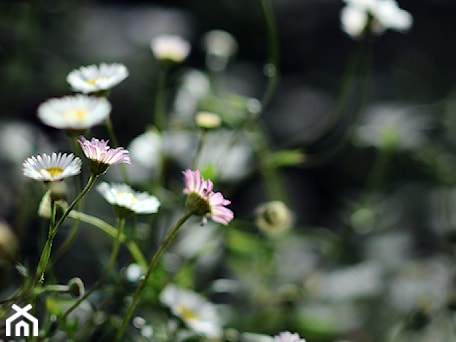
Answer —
(45, 254)
(111, 231)
(153, 262)
(272, 67)
(199, 148)
(160, 100)
(42, 264)
(112, 259)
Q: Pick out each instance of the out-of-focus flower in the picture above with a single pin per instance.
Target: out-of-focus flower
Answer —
(287, 336)
(273, 217)
(145, 149)
(50, 168)
(375, 15)
(202, 201)
(220, 46)
(25, 138)
(198, 314)
(388, 125)
(207, 120)
(170, 48)
(101, 156)
(360, 281)
(126, 201)
(8, 244)
(96, 78)
(230, 155)
(74, 113)
(194, 87)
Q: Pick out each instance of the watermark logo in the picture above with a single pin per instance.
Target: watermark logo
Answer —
(22, 323)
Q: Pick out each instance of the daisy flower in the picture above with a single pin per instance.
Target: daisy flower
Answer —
(170, 48)
(126, 201)
(75, 113)
(197, 313)
(379, 14)
(202, 201)
(287, 336)
(101, 156)
(50, 168)
(94, 78)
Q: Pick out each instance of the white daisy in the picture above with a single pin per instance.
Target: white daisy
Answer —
(126, 201)
(52, 167)
(94, 78)
(77, 112)
(199, 314)
(170, 48)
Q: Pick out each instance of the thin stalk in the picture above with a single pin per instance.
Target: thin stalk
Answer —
(44, 258)
(160, 100)
(153, 262)
(112, 259)
(112, 231)
(199, 147)
(272, 67)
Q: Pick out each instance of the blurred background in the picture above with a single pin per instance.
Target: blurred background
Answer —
(373, 196)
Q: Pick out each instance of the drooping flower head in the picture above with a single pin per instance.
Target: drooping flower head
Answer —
(374, 15)
(101, 156)
(287, 336)
(126, 201)
(195, 311)
(50, 168)
(74, 113)
(170, 48)
(95, 78)
(202, 201)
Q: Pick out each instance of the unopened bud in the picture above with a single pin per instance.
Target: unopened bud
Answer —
(76, 287)
(274, 217)
(8, 244)
(208, 120)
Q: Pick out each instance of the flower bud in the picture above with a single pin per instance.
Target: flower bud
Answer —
(8, 244)
(207, 120)
(274, 217)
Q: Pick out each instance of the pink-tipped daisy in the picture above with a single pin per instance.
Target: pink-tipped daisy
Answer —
(74, 113)
(50, 168)
(287, 336)
(126, 201)
(101, 156)
(95, 78)
(202, 201)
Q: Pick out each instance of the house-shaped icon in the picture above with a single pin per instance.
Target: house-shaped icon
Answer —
(21, 326)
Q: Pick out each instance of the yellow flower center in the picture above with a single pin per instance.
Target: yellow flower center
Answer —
(75, 114)
(53, 171)
(95, 80)
(92, 81)
(127, 197)
(187, 313)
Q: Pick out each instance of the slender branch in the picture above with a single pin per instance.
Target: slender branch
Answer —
(153, 262)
